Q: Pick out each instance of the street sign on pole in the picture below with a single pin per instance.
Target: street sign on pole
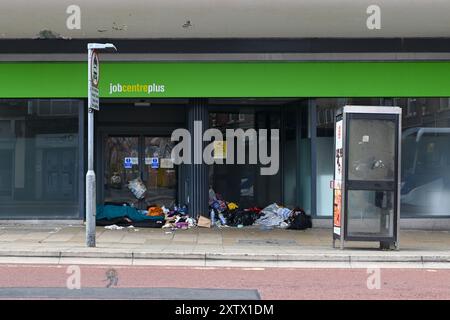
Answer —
(93, 104)
(94, 70)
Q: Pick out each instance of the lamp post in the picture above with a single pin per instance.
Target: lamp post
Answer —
(93, 104)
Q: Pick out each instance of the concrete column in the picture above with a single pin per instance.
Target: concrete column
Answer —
(197, 172)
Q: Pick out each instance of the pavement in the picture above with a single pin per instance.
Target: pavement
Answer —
(225, 247)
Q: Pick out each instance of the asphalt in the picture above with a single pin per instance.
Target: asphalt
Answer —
(129, 293)
(246, 247)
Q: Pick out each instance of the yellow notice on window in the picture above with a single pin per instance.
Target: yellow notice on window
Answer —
(220, 149)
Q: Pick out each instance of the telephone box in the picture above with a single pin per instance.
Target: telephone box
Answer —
(366, 185)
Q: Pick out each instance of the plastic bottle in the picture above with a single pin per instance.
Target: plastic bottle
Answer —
(213, 217)
(222, 219)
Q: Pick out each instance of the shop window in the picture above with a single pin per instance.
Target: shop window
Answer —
(325, 152)
(236, 118)
(56, 107)
(444, 104)
(425, 185)
(39, 147)
(290, 161)
(243, 183)
(296, 148)
(411, 108)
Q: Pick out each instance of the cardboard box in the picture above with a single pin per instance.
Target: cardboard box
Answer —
(204, 222)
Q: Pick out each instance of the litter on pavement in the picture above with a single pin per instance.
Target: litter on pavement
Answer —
(222, 214)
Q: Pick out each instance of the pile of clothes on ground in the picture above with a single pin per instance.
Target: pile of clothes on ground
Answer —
(154, 217)
(275, 216)
(178, 218)
(228, 214)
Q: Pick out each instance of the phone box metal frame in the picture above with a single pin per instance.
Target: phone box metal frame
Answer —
(378, 197)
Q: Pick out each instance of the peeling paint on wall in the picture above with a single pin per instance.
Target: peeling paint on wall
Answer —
(48, 34)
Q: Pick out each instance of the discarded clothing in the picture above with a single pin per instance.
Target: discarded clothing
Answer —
(178, 210)
(299, 220)
(232, 206)
(240, 217)
(274, 216)
(165, 210)
(191, 222)
(155, 212)
(219, 205)
(182, 225)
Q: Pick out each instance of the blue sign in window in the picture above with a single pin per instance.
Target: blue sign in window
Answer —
(155, 163)
(127, 163)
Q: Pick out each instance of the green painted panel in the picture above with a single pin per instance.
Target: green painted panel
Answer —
(228, 79)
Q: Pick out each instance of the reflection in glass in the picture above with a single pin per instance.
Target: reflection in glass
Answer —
(371, 150)
(118, 170)
(370, 213)
(326, 113)
(425, 188)
(160, 179)
(125, 162)
(39, 174)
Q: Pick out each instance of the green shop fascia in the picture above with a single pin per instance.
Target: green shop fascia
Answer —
(228, 79)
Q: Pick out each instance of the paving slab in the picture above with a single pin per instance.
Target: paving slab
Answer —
(9, 236)
(111, 236)
(206, 248)
(133, 239)
(59, 237)
(178, 237)
(155, 243)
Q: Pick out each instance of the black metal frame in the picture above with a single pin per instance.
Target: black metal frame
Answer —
(233, 45)
(371, 185)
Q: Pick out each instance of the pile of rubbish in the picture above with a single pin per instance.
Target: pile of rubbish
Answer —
(228, 214)
(221, 214)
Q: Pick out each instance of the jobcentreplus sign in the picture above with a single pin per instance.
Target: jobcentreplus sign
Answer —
(136, 88)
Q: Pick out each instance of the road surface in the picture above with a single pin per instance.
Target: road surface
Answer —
(51, 281)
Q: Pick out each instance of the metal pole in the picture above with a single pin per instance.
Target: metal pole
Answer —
(90, 175)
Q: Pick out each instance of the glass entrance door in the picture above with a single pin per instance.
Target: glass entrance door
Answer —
(145, 158)
(159, 172)
(117, 172)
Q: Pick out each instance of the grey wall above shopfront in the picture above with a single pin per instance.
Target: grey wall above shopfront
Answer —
(24, 19)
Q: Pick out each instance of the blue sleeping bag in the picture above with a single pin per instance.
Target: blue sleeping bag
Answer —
(110, 212)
